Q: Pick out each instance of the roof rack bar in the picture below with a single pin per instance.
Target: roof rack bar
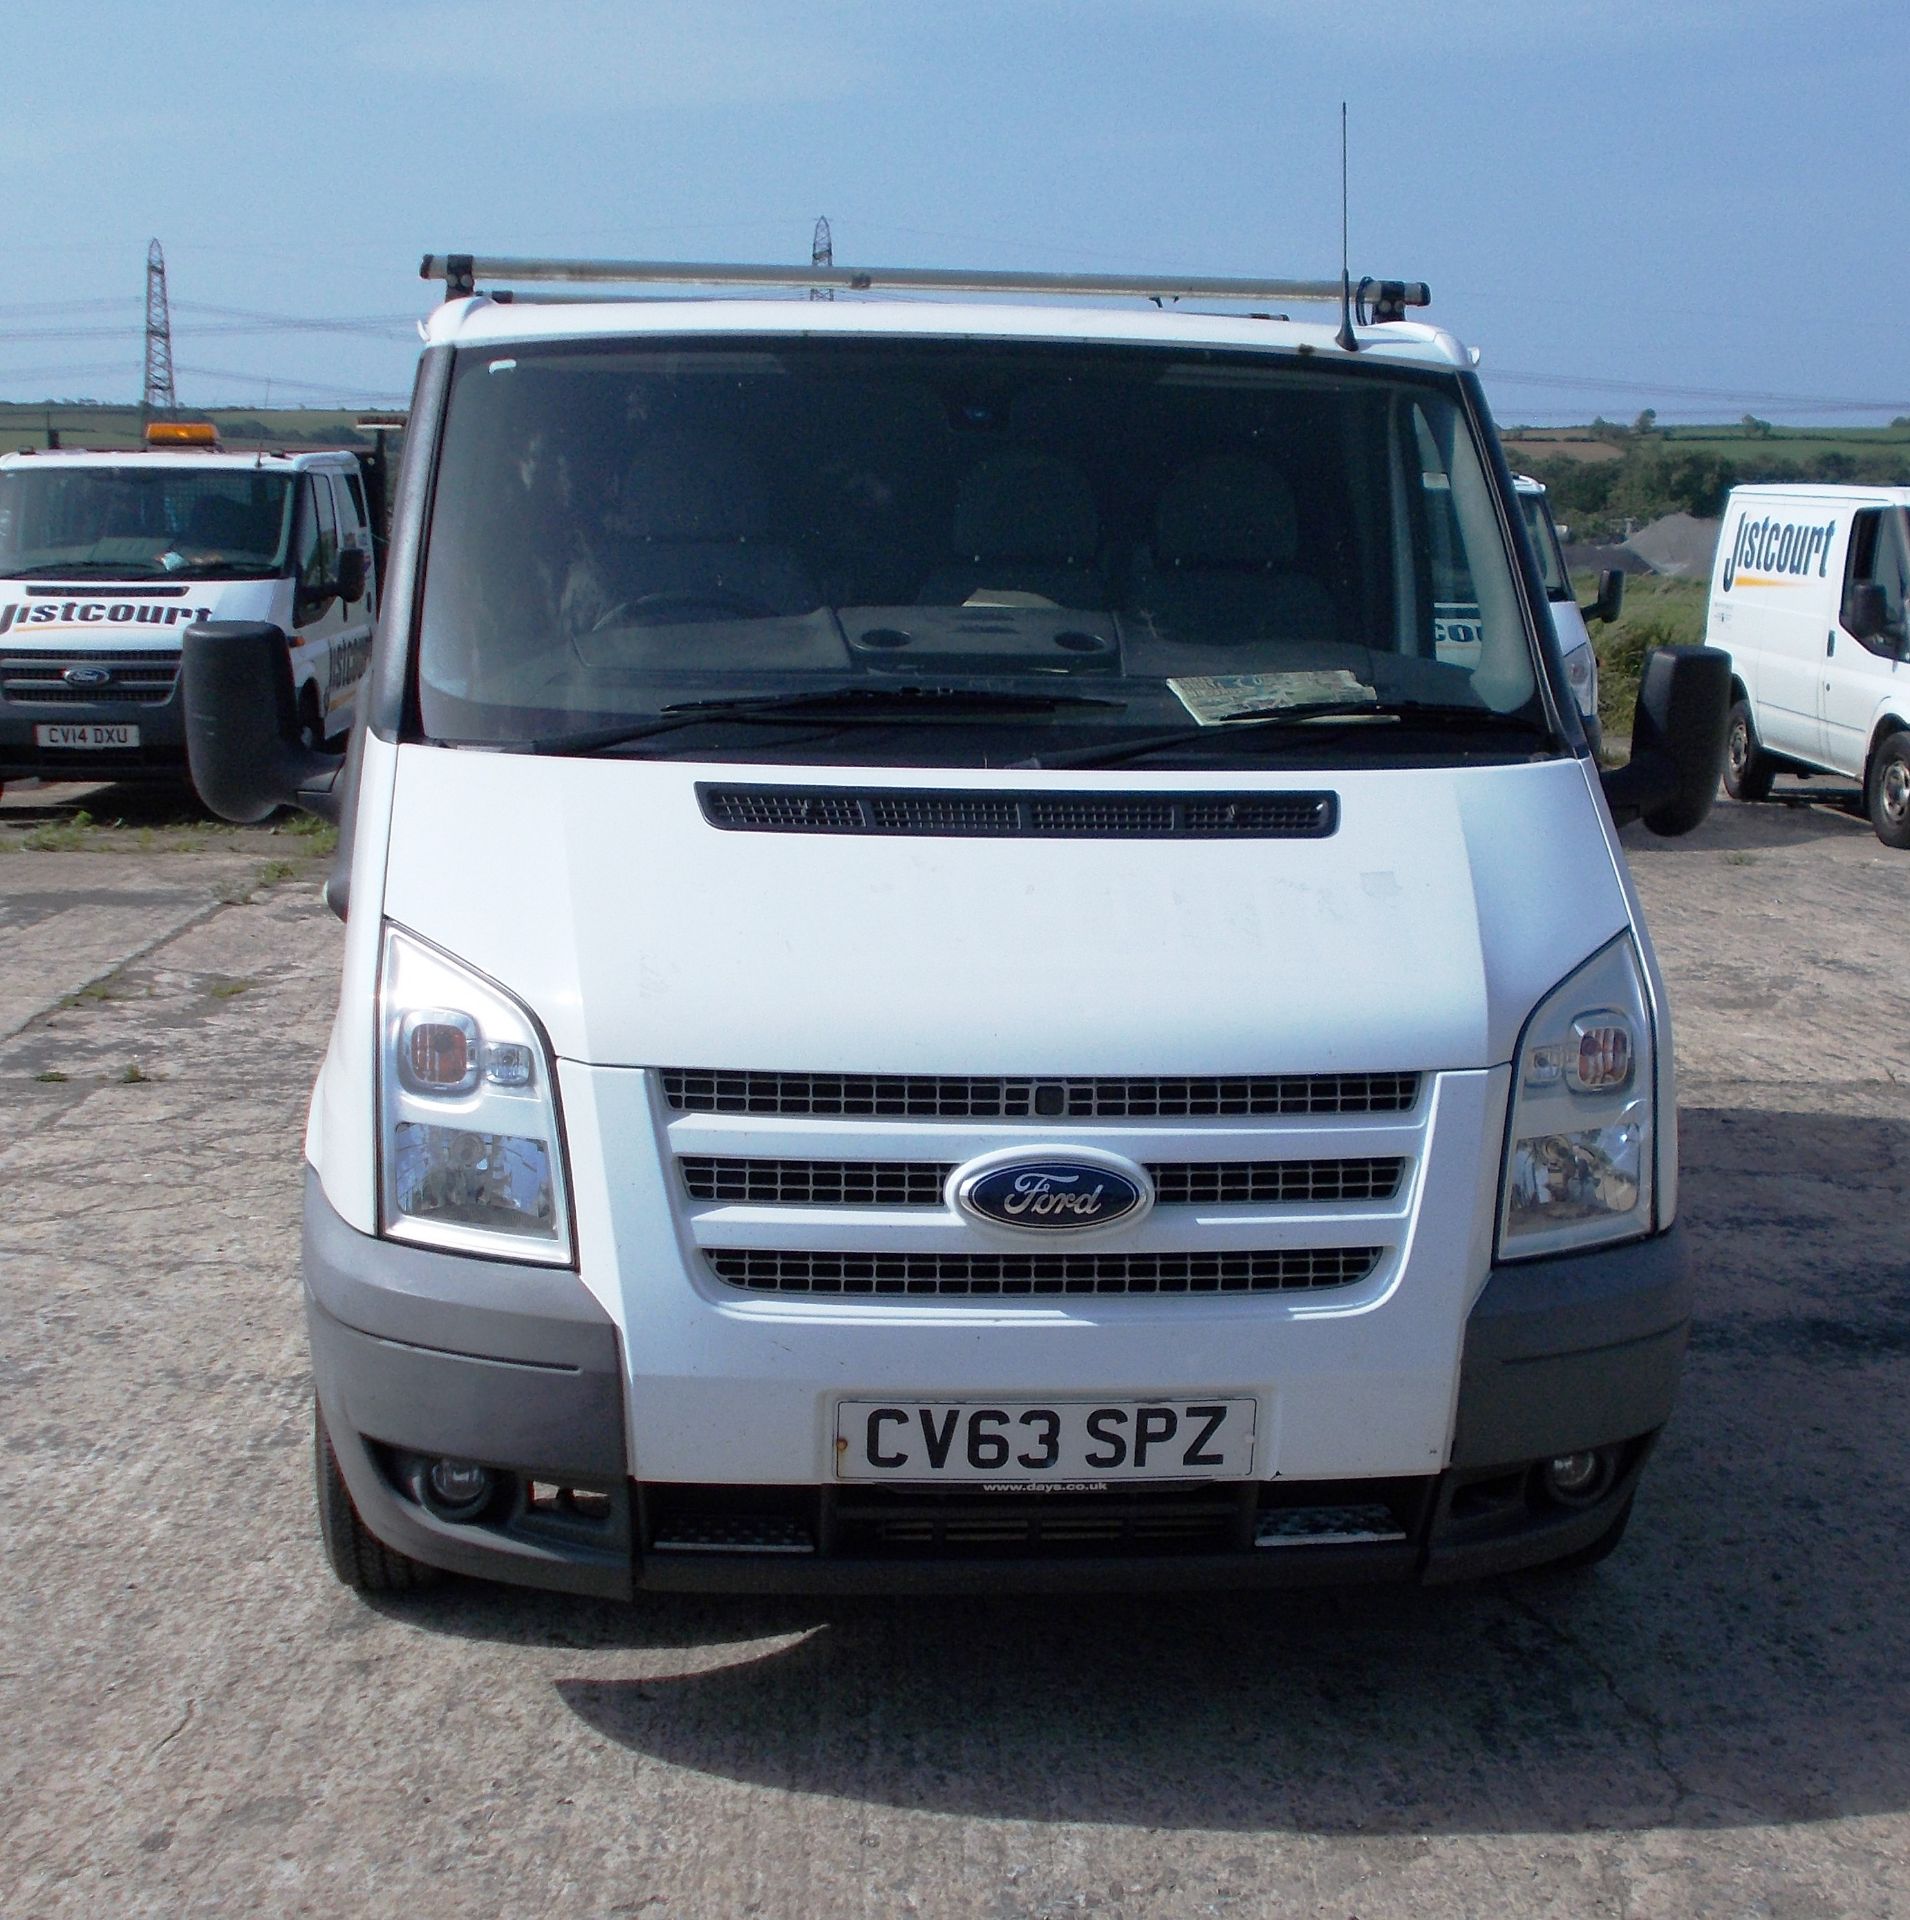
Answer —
(461, 273)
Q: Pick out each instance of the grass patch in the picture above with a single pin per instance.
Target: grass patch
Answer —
(1658, 613)
(61, 836)
(99, 992)
(132, 1074)
(230, 989)
(82, 833)
(52, 1077)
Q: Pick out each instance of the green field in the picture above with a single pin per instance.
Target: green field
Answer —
(1658, 613)
(241, 429)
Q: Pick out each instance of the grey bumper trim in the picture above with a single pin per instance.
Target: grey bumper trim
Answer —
(1576, 1351)
(514, 1367)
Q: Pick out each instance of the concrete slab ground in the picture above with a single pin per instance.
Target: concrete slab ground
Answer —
(198, 1720)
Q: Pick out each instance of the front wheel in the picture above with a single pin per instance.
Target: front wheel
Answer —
(1888, 790)
(358, 1557)
(1748, 769)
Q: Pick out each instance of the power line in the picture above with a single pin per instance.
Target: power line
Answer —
(351, 395)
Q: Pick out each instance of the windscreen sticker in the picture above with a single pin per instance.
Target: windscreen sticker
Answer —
(97, 613)
(1216, 697)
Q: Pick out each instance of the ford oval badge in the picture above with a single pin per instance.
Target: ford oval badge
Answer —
(1051, 1196)
(88, 676)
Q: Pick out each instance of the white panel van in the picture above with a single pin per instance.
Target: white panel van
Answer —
(106, 558)
(1807, 597)
(1570, 621)
(944, 985)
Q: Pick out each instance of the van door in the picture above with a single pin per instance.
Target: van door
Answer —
(1858, 673)
(1778, 621)
(331, 639)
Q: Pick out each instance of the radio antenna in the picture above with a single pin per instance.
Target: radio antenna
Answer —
(1345, 335)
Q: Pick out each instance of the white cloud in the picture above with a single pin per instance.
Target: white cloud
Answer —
(593, 54)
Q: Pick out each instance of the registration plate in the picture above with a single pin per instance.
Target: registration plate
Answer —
(1029, 1443)
(89, 734)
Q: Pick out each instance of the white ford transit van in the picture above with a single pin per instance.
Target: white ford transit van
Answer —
(107, 558)
(943, 987)
(1807, 597)
(1569, 619)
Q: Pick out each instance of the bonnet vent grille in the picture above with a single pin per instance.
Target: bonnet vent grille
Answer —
(971, 812)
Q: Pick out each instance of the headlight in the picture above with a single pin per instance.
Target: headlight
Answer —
(1581, 673)
(1580, 1146)
(471, 1156)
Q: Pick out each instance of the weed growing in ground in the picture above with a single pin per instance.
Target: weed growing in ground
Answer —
(97, 992)
(230, 989)
(61, 836)
(52, 1077)
(133, 1075)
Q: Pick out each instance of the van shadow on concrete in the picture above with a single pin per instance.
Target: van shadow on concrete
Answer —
(1740, 1659)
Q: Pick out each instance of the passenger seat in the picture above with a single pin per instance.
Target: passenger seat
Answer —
(1220, 569)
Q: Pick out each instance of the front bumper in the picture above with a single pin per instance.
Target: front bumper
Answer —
(421, 1355)
(161, 752)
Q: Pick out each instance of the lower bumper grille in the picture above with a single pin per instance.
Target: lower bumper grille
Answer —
(999, 1276)
(925, 1523)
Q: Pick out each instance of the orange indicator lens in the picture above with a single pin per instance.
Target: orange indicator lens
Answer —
(438, 1055)
(1604, 1057)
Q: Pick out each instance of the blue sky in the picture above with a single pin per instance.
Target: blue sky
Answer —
(1695, 206)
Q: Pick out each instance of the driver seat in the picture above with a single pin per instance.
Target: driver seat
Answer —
(692, 527)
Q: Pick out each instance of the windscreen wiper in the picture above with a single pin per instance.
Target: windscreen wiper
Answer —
(1452, 716)
(836, 705)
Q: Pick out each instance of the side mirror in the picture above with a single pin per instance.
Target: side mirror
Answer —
(351, 575)
(1677, 741)
(1865, 612)
(1611, 597)
(242, 731)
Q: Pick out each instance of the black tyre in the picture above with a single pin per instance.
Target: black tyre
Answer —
(1748, 769)
(359, 1558)
(311, 723)
(1888, 790)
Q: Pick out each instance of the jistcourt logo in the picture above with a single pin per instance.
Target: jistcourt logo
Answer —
(1764, 553)
(97, 613)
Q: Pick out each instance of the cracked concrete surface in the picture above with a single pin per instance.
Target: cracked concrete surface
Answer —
(1716, 1722)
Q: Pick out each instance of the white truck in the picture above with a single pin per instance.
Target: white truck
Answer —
(943, 988)
(106, 558)
(1807, 597)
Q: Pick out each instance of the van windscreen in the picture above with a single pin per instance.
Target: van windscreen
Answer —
(126, 522)
(1039, 539)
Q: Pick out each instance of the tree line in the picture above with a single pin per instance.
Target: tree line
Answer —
(1654, 475)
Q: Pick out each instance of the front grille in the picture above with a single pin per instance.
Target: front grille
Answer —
(140, 678)
(990, 813)
(880, 1183)
(817, 1183)
(1229, 1183)
(935, 1097)
(982, 1276)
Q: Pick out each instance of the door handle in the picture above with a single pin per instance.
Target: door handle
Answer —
(1830, 643)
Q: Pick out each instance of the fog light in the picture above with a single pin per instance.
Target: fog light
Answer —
(457, 1490)
(1578, 1479)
